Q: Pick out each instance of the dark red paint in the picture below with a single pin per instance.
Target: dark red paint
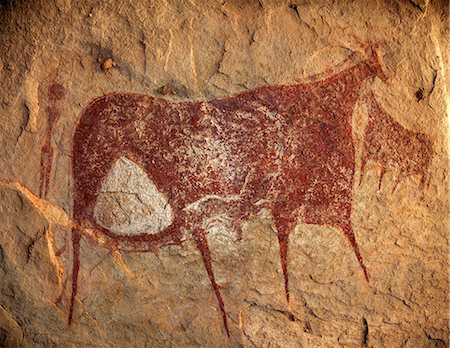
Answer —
(202, 244)
(391, 145)
(55, 93)
(290, 146)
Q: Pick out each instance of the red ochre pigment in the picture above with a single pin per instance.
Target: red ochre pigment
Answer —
(55, 93)
(290, 146)
(391, 145)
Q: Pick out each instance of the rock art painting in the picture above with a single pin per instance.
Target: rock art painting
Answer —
(224, 173)
(392, 146)
(288, 149)
(55, 93)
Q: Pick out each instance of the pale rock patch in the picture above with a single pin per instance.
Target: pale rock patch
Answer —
(130, 203)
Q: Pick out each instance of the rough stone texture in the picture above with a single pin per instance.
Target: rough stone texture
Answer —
(56, 57)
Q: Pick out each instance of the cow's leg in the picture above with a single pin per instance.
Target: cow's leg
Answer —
(202, 245)
(75, 269)
(350, 235)
(284, 224)
(382, 173)
(86, 184)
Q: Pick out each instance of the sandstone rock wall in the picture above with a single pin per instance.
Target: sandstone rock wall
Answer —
(224, 173)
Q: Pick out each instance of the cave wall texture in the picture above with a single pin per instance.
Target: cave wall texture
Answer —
(224, 173)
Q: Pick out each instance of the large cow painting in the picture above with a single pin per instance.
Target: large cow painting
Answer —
(286, 148)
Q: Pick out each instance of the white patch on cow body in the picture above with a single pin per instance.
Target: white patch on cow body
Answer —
(198, 203)
(130, 203)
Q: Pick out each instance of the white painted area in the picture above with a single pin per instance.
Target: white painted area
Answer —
(197, 204)
(221, 236)
(130, 203)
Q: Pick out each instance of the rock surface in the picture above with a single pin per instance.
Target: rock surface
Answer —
(313, 130)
